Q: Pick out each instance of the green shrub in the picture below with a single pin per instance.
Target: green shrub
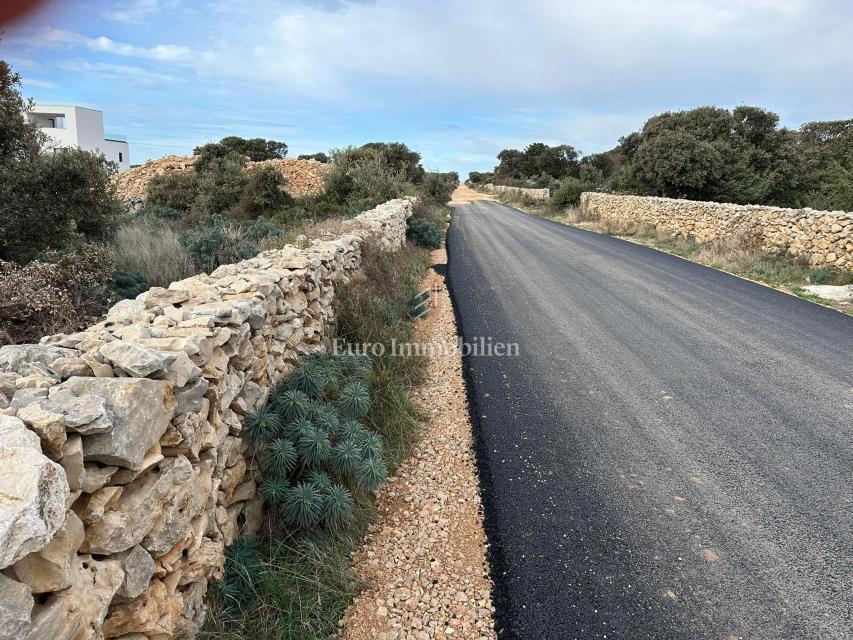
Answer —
(312, 464)
(176, 191)
(55, 200)
(157, 212)
(255, 149)
(424, 232)
(319, 157)
(568, 194)
(438, 187)
(217, 242)
(361, 179)
(821, 276)
(220, 186)
(127, 284)
(20, 139)
(264, 194)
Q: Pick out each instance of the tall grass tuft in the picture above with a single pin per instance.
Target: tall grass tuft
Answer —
(152, 248)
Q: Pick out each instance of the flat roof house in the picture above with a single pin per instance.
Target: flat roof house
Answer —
(70, 126)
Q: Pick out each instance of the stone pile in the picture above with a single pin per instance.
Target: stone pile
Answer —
(123, 473)
(822, 238)
(537, 195)
(304, 177)
(132, 185)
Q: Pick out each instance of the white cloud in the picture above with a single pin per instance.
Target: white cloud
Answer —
(102, 44)
(41, 84)
(624, 51)
(120, 73)
(137, 11)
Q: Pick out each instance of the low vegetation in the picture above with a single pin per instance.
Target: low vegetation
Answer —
(327, 438)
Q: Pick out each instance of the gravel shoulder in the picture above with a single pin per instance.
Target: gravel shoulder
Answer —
(425, 556)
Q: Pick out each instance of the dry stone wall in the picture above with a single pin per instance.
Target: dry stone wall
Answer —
(821, 238)
(539, 195)
(123, 473)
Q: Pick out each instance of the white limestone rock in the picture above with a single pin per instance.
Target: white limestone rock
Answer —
(136, 360)
(16, 605)
(33, 492)
(127, 520)
(52, 568)
(140, 409)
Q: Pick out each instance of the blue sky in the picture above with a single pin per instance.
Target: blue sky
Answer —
(457, 81)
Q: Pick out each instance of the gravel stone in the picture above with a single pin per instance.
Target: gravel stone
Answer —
(425, 557)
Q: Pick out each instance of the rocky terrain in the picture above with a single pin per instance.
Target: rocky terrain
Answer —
(303, 177)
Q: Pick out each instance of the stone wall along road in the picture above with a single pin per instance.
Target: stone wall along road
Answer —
(818, 237)
(122, 467)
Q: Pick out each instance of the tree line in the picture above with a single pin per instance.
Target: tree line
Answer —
(709, 153)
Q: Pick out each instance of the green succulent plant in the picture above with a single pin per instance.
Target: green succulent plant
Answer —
(327, 419)
(320, 480)
(281, 457)
(337, 506)
(372, 473)
(372, 446)
(357, 367)
(309, 377)
(298, 428)
(303, 505)
(274, 489)
(315, 447)
(352, 430)
(262, 425)
(291, 404)
(354, 401)
(346, 457)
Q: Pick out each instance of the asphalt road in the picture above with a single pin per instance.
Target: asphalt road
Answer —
(671, 453)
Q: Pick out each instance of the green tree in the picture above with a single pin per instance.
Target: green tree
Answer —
(826, 151)
(220, 182)
(54, 200)
(47, 200)
(710, 153)
(399, 158)
(264, 193)
(176, 190)
(538, 164)
(438, 187)
(569, 193)
(20, 139)
(255, 149)
(319, 157)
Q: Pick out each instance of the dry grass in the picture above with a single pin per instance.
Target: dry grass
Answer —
(153, 249)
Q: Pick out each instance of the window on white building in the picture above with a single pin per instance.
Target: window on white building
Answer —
(120, 157)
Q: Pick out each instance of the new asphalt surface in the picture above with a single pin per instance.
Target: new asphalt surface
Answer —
(670, 455)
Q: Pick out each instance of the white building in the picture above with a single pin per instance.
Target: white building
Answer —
(69, 126)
